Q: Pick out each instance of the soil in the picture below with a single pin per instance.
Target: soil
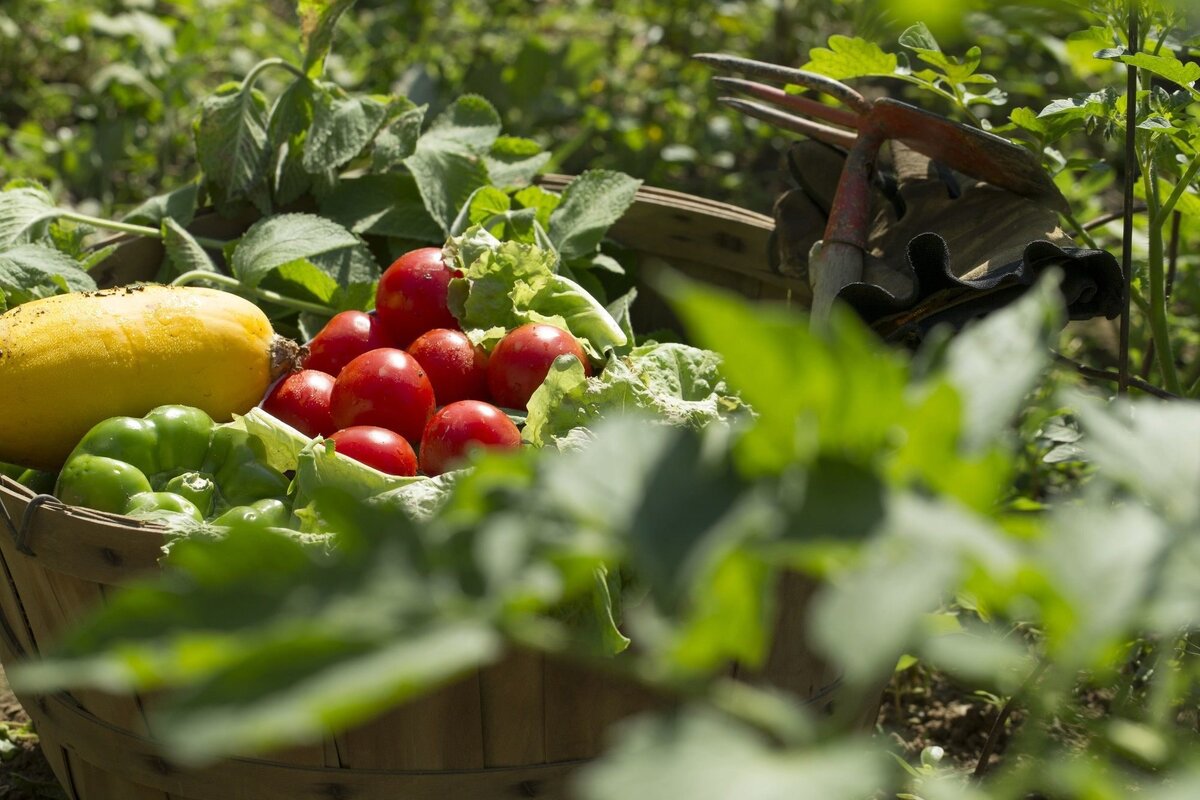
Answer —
(24, 773)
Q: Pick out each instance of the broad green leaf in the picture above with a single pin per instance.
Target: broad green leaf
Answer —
(590, 205)
(848, 57)
(514, 161)
(184, 252)
(1166, 66)
(30, 271)
(702, 756)
(485, 202)
(540, 200)
(398, 139)
(291, 119)
(343, 125)
(469, 125)
(179, 205)
(232, 145)
(318, 19)
(25, 208)
(446, 179)
(995, 362)
(382, 205)
(1102, 103)
(273, 242)
(1151, 447)
(295, 690)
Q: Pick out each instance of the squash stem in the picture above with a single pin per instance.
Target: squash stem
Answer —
(197, 275)
(137, 230)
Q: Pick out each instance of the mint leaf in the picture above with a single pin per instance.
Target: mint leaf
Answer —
(183, 251)
(272, 243)
(179, 205)
(1168, 67)
(381, 205)
(232, 146)
(30, 271)
(343, 125)
(318, 19)
(25, 208)
(848, 57)
(590, 205)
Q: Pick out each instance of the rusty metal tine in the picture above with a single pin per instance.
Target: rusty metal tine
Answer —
(794, 102)
(782, 119)
(774, 72)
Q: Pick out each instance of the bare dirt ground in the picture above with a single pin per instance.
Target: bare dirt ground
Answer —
(24, 773)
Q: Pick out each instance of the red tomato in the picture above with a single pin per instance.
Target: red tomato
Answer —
(348, 334)
(411, 297)
(377, 447)
(460, 427)
(385, 387)
(456, 368)
(520, 362)
(302, 401)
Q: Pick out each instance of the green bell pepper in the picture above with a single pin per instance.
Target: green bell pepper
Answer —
(175, 460)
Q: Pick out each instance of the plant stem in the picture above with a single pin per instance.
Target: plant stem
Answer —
(137, 230)
(267, 64)
(1105, 375)
(1080, 230)
(1130, 170)
(197, 275)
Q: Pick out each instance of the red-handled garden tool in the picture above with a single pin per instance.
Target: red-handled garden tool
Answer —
(861, 127)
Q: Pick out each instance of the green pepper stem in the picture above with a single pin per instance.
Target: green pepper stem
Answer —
(197, 275)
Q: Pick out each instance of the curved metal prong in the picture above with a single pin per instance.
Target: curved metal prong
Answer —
(793, 102)
(782, 119)
(774, 72)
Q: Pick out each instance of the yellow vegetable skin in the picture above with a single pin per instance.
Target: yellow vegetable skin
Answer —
(70, 361)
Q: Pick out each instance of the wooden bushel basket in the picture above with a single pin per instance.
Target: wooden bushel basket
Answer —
(512, 730)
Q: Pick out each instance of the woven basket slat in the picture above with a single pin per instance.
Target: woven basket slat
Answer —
(513, 739)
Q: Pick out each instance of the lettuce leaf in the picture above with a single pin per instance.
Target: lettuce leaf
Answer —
(676, 382)
(508, 284)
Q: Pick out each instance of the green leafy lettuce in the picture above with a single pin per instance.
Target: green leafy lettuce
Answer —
(676, 382)
(508, 284)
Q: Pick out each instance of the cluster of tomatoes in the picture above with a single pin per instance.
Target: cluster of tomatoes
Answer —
(405, 380)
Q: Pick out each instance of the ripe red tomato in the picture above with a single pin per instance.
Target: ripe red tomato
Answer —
(411, 297)
(460, 427)
(386, 451)
(456, 368)
(302, 401)
(385, 387)
(348, 334)
(520, 362)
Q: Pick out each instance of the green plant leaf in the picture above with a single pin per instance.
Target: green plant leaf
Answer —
(343, 126)
(848, 57)
(470, 124)
(30, 271)
(1166, 66)
(485, 203)
(514, 161)
(184, 252)
(318, 19)
(232, 145)
(179, 205)
(920, 39)
(291, 119)
(398, 139)
(280, 240)
(25, 209)
(702, 756)
(382, 205)
(590, 205)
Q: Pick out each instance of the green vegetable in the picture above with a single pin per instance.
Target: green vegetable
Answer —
(507, 284)
(679, 383)
(173, 461)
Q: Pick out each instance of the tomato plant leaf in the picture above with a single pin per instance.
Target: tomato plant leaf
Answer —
(318, 19)
(179, 205)
(343, 126)
(25, 210)
(1166, 66)
(382, 205)
(590, 205)
(232, 145)
(848, 57)
(273, 242)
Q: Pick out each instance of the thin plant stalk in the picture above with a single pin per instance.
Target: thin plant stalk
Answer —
(1130, 168)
